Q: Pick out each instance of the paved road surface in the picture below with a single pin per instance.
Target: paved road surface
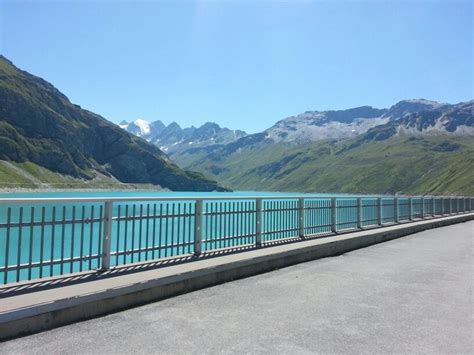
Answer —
(411, 295)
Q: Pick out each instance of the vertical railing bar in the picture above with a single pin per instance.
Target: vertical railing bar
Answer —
(53, 235)
(422, 207)
(301, 216)
(132, 250)
(358, 213)
(81, 247)
(172, 221)
(216, 219)
(166, 229)
(125, 238)
(274, 217)
(178, 232)
(101, 236)
(147, 241)
(198, 227)
(188, 223)
(410, 209)
(333, 215)
(246, 230)
(224, 231)
(63, 227)
(234, 215)
(220, 223)
(20, 231)
(160, 236)
(91, 237)
(73, 221)
(7, 245)
(153, 237)
(117, 243)
(379, 211)
(229, 221)
(140, 233)
(30, 251)
(241, 223)
(43, 208)
(107, 235)
(210, 237)
(187, 226)
(258, 222)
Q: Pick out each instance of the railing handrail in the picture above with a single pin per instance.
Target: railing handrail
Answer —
(24, 200)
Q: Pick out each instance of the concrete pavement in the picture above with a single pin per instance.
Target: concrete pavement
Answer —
(412, 294)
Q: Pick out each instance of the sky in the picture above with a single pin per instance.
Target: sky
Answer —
(241, 64)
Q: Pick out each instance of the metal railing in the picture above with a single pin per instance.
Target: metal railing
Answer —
(59, 236)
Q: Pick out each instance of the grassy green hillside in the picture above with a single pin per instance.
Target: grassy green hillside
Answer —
(416, 164)
(27, 175)
(41, 128)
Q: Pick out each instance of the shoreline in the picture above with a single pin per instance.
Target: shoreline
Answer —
(6, 190)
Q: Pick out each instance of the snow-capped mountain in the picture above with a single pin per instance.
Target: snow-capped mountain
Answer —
(413, 117)
(173, 138)
(139, 127)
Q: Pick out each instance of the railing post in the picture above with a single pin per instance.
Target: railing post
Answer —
(198, 227)
(301, 217)
(450, 205)
(423, 207)
(410, 208)
(443, 200)
(433, 206)
(395, 210)
(258, 221)
(333, 215)
(359, 213)
(106, 235)
(458, 209)
(379, 211)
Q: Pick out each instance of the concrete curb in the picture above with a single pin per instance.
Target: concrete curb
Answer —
(43, 310)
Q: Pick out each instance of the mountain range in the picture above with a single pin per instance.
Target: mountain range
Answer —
(415, 146)
(174, 139)
(46, 138)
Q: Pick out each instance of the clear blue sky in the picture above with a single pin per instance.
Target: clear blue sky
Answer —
(242, 64)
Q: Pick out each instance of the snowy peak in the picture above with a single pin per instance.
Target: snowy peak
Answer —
(139, 127)
(173, 138)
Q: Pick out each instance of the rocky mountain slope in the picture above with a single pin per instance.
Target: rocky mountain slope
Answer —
(312, 126)
(39, 125)
(174, 139)
(418, 146)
